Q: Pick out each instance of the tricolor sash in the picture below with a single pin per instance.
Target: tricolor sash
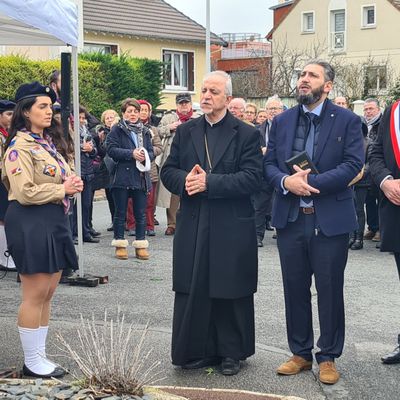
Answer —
(395, 131)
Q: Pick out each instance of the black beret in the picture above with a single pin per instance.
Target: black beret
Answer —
(180, 97)
(34, 89)
(6, 105)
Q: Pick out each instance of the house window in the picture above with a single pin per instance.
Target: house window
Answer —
(368, 16)
(375, 79)
(308, 22)
(100, 48)
(178, 70)
(338, 30)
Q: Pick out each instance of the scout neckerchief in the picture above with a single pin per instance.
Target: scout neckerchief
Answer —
(395, 131)
(51, 149)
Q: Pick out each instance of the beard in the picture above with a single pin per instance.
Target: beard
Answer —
(311, 98)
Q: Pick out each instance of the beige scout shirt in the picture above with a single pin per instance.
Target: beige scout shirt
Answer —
(31, 174)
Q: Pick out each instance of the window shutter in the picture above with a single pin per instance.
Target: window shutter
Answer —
(190, 72)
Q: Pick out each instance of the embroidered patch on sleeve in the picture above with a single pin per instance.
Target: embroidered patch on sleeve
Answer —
(13, 155)
(16, 171)
(50, 170)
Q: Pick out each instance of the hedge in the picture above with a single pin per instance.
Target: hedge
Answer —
(104, 80)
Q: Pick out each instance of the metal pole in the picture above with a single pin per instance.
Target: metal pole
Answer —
(208, 36)
(77, 148)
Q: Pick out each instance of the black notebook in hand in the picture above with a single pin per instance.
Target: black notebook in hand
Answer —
(303, 161)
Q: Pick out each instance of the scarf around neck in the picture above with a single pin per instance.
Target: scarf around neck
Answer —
(49, 146)
(184, 117)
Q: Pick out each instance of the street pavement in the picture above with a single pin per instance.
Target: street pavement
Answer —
(142, 290)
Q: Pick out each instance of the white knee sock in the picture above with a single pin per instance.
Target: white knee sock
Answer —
(33, 360)
(42, 335)
(3, 248)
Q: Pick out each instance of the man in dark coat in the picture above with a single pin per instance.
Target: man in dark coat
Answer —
(313, 213)
(385, 170)
(215, 165)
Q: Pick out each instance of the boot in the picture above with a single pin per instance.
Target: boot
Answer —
(352, 238)
(121, 251)
(141, 249)
(358, 242)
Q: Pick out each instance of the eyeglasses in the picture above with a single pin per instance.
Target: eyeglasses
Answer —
(274, 108)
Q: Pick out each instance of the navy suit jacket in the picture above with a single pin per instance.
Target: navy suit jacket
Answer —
(339, 157)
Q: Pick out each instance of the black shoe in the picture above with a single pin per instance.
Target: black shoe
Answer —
(229, 366)
(357, 245)
(91, 240)
(202, 363)
(352, 239)
(110, 228)
(393, 357)
(75, 240)
(274, 236)
(259, 242)
(268, 227)
(156, 222)
(56, 373)
(378, 245)
(95, 233)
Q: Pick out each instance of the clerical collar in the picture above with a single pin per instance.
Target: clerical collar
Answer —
(215, 123)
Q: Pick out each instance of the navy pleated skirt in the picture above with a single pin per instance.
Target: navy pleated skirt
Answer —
(39, 238)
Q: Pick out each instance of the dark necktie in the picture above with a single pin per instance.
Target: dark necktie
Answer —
(310, 144)
(311, 135)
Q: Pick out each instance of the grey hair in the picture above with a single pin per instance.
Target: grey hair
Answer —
(274, 98)
(222, 74)
(372, 100)
(329, 72)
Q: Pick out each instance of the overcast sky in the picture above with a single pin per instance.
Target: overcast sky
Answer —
(230, 16)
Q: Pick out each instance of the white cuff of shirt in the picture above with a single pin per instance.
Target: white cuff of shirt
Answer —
(283, 187)
(385, 179)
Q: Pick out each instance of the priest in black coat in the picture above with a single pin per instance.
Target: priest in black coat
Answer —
(215, 165)
(385, 171)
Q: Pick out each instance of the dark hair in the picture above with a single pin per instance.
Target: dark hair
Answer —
(82, 110)
(19, 121)
(329, 72)
(54, 76)
(129, 102)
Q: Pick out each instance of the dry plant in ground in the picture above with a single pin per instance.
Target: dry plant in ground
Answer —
(111, 355)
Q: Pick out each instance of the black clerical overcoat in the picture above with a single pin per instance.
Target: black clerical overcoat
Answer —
(382, 163)
(231, 235)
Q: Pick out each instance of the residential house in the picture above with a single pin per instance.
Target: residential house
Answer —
(151, 29)
(247, 59)
(358, 36)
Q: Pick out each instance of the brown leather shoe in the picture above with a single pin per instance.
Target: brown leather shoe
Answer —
(377, 237)
(170, 231)
(328, 373)
(369, 235)
(294, 365)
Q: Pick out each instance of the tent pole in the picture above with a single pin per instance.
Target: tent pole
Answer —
(77, 148)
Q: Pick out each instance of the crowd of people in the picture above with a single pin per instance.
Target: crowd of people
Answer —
(233, 171)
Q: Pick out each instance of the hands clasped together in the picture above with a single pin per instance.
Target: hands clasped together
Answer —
(391, 188)
(138, 154)
(196, 181)
(298, 183)
(72, 185)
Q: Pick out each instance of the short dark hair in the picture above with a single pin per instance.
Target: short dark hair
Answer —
(54, 76)
(372, 100)
(329, 72)
(129, 102)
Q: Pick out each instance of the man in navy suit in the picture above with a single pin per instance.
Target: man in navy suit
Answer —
(313, 215)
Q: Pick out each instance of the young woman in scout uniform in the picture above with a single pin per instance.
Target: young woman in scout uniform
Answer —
(6, 111)
(40, 184)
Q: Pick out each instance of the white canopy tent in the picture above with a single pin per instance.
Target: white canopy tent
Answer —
(48, 23)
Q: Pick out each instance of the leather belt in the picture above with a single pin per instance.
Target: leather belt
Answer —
(307, 210)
